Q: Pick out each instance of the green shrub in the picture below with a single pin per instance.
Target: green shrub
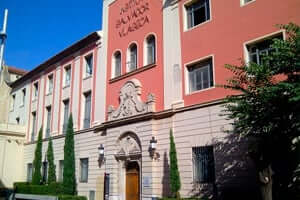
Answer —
(51, 189)
(71, 197)
(69, 179)
(37, 162)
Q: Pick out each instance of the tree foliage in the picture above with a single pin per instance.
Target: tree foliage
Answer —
(50, 158)
(174, 173)
(268, 108)
(69, 179)
(37, 162)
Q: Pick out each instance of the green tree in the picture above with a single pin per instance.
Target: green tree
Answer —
(69, 179)
(268, 112)
(37, 162)
(50, 158)
(174, 173)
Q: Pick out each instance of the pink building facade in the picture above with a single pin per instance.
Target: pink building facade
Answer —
(153, 68)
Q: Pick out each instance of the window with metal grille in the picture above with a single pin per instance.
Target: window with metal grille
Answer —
(200, 75)
(60, 170)
(89, 65)
(87, 110)
(92, 195)
(48, 121)
(203, 164)
(132, 58)
(257, 50)
(66, 115)
(29, 172)
(197, 11)
(84, 169)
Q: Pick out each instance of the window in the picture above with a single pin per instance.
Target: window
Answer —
(89, 65)
(203, 164)
(48, 121)
(84, 167)
(92, 195)
(23, 96)
(29, 172)
(36, 90)
(61, 170)
(67, 75)
(13, 99)
(150, 51)
(243, 2)
(257, 50)
(132, 58)
(33, 126)
(18, 120)
(197, 12)
(66, 115)
(45, 171)
(50, 84)
(87, 110)
(200, 75)
(117, 64)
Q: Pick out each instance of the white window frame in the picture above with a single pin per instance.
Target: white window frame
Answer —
(128, 57)
(67, 82)
(89, 55)
(65, 123)
(36, 90)
(145, 49)
(48, 85)
(244, 3)
(260, 39)
(46, 121)
(113, 64)
(81, 180)
(13, 102)
(84, 108)
(23, 97)
(185, 19)
(186, 74)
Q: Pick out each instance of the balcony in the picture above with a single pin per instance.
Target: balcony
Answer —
(12, 129)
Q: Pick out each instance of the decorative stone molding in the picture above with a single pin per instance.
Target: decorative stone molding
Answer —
(128, 148)
(130, 102)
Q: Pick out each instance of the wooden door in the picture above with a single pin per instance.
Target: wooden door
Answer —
(132, 182)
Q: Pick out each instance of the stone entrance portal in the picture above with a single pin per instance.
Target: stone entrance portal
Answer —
(129, 157)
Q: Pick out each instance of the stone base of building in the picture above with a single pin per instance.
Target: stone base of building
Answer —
(130, 168)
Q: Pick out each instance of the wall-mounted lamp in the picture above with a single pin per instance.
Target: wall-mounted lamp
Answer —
(152, 149)
(101, 158)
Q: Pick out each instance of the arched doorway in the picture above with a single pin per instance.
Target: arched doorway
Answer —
(129, 157)
(132, 181)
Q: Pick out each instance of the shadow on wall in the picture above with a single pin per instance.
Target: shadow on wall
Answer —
(166, 177)
(236, 176)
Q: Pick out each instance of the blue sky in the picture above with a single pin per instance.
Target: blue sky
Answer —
(38, 30)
